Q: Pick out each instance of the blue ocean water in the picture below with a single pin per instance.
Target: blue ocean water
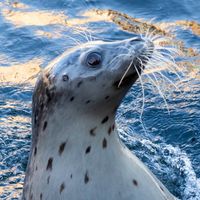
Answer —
(34, 32)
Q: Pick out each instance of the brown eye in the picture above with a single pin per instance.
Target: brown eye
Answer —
(93, 59)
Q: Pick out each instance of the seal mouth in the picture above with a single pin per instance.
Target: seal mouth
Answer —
(135, 63)
(127, 81)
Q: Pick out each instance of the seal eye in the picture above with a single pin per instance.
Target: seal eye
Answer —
(93, 59)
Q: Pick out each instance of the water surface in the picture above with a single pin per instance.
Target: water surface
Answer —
(34, 32)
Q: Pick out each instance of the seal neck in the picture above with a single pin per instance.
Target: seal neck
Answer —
(80, 129)
(73, 139)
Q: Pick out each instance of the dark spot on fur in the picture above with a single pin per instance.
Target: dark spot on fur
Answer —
(62, 147)
(48, 179)
(72, 99)
(107, 97)
(35, 151)
(40, 196)
(65, 77)
(86, 179)
(42, 97)
(62, 187)
(35, 119)
(79, 84)
(49, 164)
(88, 150)
(31, 197)
(161, 188)
(88, 101)
(92, 131)
(104, 120)
(113, 127)
(109, 130)
(36, 168)
(45, 125)
(49, 95)
(71, 176)
(135, 182)
(104, 143)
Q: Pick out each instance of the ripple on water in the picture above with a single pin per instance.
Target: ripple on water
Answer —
(34, 32)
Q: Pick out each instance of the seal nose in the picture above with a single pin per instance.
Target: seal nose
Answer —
(134, 40)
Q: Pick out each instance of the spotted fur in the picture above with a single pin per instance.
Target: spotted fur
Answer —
(75, 100)
(49, 164)
(86, 177)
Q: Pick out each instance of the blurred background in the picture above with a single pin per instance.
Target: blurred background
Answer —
(162, 127)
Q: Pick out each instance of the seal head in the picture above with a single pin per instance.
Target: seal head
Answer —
(97, 68)
(76, 153)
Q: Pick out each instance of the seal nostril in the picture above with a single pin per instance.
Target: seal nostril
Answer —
(138, 39)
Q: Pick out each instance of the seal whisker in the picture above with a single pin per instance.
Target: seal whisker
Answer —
(128, 68)
(147, 34)
(152, 64)
(91, 37)
(164, 54)
(157, 56)
(162, 38)
(86, 33)
(152, 21)
(173, 67)
(165, 77)
(159, 38)
(82, 33)
(98, 38)
(143, 94)
(169, 54)
(116, 58)
(89, 33)
(141, 33)
(143, 99)
(169, 49)
(169, 64)
(156, 84)
(171, 82)
(151, 35)
(75, 40)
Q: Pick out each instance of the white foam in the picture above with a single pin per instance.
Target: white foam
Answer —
(175, 159)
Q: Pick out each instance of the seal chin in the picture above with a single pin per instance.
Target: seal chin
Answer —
(127, 81)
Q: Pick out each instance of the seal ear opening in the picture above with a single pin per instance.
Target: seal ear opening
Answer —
(65, 77)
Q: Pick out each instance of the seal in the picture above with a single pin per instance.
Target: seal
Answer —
(76, 153)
